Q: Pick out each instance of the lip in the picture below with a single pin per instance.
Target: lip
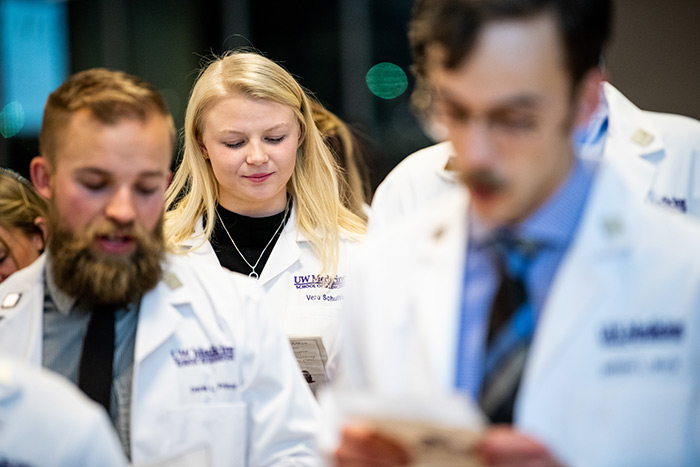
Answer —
(259, 177)
(116, 244)
(483, 193)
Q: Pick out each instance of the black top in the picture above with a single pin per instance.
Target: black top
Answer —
(251, 235)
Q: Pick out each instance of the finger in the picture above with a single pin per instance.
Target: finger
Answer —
(364, 446)
(502, 446)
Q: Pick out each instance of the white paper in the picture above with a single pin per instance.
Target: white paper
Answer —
(312, 358)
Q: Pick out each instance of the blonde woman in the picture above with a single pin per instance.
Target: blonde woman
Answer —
(257, 192)
(23, 216)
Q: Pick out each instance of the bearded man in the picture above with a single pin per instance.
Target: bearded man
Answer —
(183, 358)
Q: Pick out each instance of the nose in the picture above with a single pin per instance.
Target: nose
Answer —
(121, 207)
(257, 155)
(473, 145)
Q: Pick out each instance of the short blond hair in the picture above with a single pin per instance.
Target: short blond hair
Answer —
(110, 95)
(319, 213)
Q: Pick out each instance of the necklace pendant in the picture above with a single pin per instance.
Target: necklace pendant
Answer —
(253, 275)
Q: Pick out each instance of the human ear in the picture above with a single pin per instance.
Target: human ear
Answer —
(39, 240)
(588, 95)
(202, 147)
(40, 172)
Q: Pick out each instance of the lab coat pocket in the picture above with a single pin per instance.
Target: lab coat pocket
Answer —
(218, 427)
(639, 423)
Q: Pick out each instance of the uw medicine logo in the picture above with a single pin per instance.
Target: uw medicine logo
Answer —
(313, 281)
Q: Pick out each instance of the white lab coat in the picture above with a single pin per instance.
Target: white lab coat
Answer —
(211, 369)
(590, 400)
(45, 421)
(660, 151)
(304, 308)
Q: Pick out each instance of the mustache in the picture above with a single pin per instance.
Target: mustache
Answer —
(106, 228)
(483, 180)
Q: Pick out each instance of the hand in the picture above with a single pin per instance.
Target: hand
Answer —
(503, 446)
(362, 446)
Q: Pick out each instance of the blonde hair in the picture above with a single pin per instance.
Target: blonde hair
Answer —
(319, 213)
(353, 180)
(20, 205)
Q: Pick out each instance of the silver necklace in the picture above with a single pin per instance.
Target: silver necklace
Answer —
(254, 274)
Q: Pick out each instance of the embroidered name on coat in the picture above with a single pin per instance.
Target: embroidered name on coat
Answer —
(678, 204)
(641, 333)
(202, 356)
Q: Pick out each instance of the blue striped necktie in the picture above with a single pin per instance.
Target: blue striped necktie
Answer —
(511, 327)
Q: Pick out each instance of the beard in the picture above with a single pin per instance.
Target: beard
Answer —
(105, 280)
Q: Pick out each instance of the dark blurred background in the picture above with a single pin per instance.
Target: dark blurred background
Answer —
(329, 46)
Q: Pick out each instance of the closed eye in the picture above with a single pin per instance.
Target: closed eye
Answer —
(94, 186)
(515, 121)
(147, 190)
(276, 140)
(234, 145)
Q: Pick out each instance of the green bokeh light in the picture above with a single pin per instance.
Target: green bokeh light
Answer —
(11, 119)
(386, 80)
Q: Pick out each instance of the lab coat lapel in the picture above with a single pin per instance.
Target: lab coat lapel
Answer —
(588, 272)
(442, 259)
(201, 252)
(633, 141)
(285, 252)
(21, 314)
(158, 316)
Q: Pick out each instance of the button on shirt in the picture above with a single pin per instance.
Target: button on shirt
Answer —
(65, 325)
(552, 228)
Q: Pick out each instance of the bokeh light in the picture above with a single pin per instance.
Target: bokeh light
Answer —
(386, 80)
(11, 119)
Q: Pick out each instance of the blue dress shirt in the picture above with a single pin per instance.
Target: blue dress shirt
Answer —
(552, 228)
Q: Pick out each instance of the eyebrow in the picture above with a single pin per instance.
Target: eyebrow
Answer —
(274, 127)
(104, 173)
(527, 101)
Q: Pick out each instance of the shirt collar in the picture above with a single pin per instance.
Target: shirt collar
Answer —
(63, 302)
(589, 138)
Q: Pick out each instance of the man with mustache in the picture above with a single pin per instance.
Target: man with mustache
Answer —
(183, 357)
(546, 290)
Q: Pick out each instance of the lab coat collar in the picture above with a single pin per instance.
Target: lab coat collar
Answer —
(630, 126)
(444, 170)
(22, 310)
(285, 252)
(159, 316)
(633, 141)
(198, 248)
